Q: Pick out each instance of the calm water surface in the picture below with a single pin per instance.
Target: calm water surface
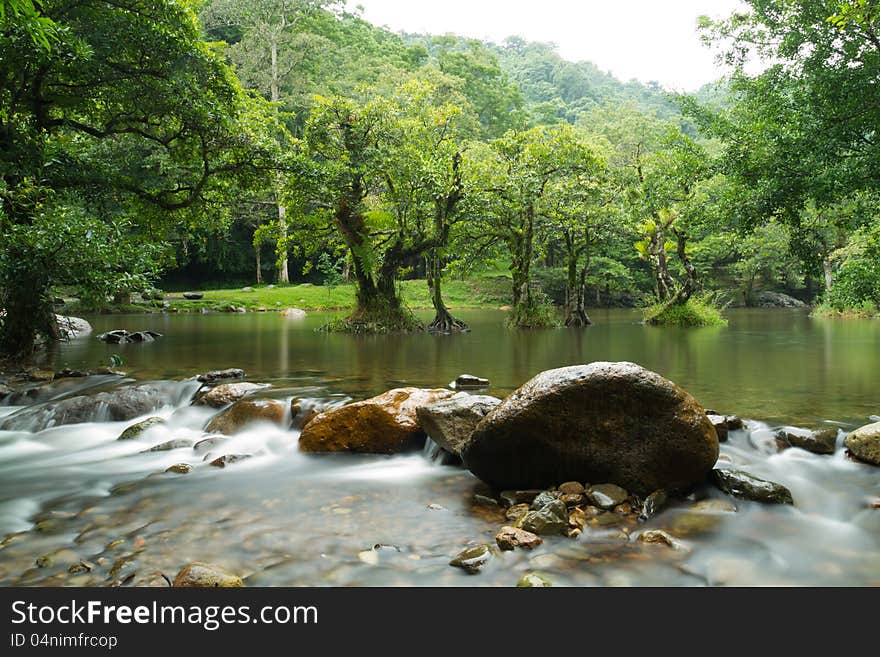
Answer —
(74, 493)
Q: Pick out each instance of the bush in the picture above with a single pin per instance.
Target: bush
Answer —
(538, 314)
(698, 311)
(865, 309)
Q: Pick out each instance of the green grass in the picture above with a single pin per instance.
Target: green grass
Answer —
(487, 291)
(865, 311)
(696, 312)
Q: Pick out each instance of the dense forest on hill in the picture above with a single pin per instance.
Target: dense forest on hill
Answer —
(225, 142)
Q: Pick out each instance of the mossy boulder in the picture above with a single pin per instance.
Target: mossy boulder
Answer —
(864, 443)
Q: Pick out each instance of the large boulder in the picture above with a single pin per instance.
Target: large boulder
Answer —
(769, 299)
(386, 424)
(115, 405)
(245, 412)
(610, 422)
(864, 443)
(450, 422)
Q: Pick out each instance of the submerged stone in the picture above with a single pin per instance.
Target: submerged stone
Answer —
(473, 559)
(534, 580)
(820, 441)
(206, 575)
(136, 430)
(749, 487)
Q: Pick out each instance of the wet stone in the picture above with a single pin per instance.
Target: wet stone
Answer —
(229, 459)
(516, 512)
(169, 445)
(572, 499)
(660, 536)
(748, 487)
(206, 575)
(179, 468)
(136, 430)
(653, 504)
(219, 375)
(543, 499)
(607, 496)
(721, 426)
(472, 559)
(514, 497)
(571, 488)
(534, 580)
(550, 519)
(819, 441)
(510, 538)
(206, 444)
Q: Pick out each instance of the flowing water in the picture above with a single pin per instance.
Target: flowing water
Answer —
(74, 493)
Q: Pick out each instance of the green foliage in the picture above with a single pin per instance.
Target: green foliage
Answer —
(857, 278)
(697, 311)
(536, 314)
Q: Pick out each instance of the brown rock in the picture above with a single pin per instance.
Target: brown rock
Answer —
(227, 393)
(613, 422)
(205, 575)
(386, 424)
(245, 412)
(510, 538)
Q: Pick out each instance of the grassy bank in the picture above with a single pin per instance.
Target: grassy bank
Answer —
(482, 292)
(827, 311)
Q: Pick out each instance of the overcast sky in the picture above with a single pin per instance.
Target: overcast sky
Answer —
(643, 39)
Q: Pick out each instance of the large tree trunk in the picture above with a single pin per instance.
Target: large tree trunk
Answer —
(378, 308)
(689, 285)
(829, 273)
(443, 321)
(283, 275)
(575, 287)
(257, 250)
(275, 95)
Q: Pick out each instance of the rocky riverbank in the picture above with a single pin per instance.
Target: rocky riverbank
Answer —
(592, 465)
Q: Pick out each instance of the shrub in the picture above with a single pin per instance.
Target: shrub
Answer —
(698, 311)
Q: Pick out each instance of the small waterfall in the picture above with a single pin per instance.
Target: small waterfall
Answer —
(436, 454)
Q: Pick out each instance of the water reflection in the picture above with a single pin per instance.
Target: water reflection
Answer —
(775, 365)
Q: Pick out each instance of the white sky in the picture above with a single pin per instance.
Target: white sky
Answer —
(650, 40)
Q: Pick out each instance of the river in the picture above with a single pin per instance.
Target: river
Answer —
(74, 494)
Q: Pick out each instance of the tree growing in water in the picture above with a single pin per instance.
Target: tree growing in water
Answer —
(386, 171)
(512, 176)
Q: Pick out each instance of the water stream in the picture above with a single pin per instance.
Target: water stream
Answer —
(73, 493)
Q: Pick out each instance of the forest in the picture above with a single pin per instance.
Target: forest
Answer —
(174, 144)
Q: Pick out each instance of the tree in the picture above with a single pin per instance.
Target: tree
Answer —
(800, 137)
(386, 172)
(512, 177)
(580, 215)
(127, 114)
(269, 55)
